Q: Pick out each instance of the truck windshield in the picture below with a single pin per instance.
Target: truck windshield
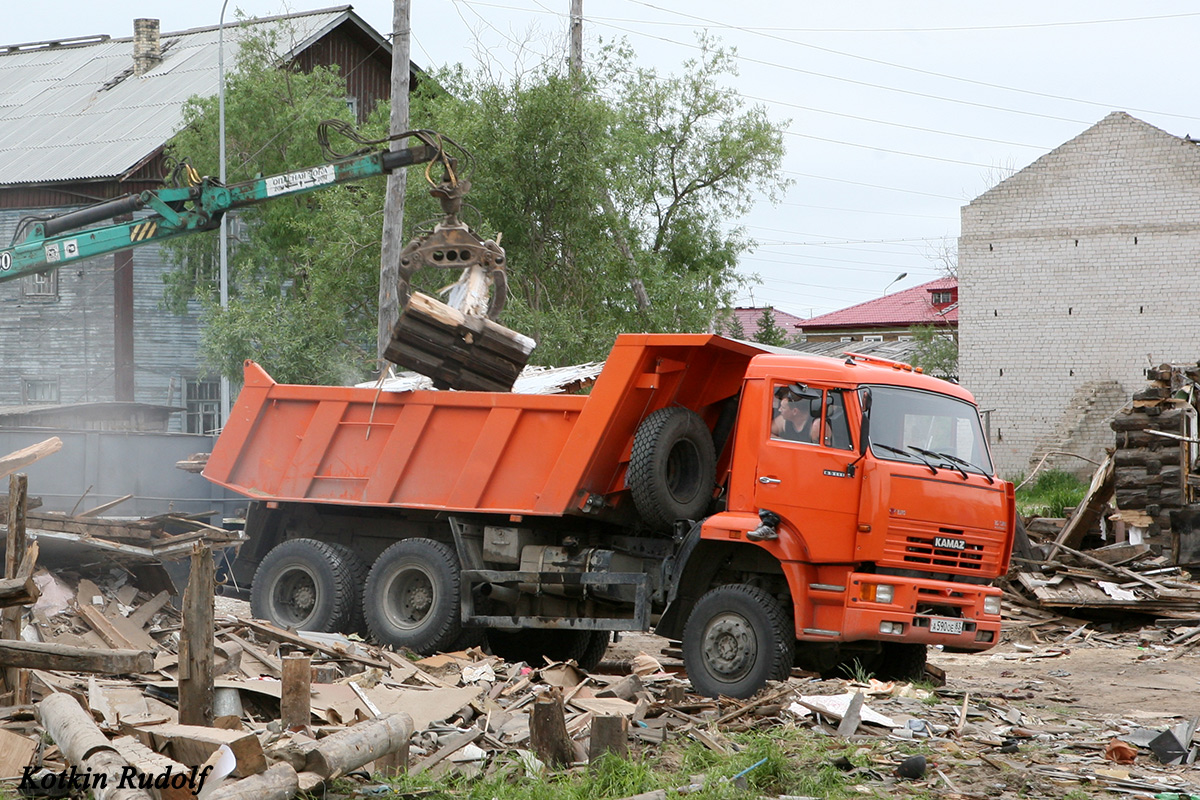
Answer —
(927, 428)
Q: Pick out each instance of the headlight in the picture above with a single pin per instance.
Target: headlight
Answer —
(876, 592)
(991, 605)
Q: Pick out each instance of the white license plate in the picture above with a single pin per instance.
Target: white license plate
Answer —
(950, 626)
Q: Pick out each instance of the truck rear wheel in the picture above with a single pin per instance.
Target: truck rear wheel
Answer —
(585, 648)
(736, 639)
(412, 596)
(672, 467)
(308, 585)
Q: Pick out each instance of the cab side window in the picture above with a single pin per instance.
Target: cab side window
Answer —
(837, 425)
(796, 414)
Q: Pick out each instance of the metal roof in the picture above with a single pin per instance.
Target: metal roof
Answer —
(77, 112)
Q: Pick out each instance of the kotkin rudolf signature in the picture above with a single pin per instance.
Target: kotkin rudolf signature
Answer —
(73, 780)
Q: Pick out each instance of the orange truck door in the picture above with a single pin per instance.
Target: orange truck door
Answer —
(802, 469)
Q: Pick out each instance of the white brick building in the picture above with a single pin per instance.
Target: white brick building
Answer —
(1076, 274)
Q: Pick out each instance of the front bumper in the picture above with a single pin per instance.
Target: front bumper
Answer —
(919, 611)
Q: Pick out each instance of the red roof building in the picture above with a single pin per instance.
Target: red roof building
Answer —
(748, 318)
(890, 317)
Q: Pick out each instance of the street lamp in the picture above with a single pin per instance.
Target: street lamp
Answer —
(899, 277)
(224, 230)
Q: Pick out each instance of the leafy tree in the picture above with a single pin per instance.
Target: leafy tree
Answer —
(610, 191)
(936, 352)
(768, 331)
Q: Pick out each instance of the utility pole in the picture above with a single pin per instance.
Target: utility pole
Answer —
(576, 61)
(393, 204)
(610, 209)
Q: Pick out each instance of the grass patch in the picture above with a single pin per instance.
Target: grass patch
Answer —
(1050, 494)
(794, 762)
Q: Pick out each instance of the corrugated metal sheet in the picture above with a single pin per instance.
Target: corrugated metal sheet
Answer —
(58, 122)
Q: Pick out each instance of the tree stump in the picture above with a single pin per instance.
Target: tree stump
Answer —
(548, 730)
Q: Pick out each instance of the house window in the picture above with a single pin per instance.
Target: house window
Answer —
(874, 337)
(904, 337)
(39, 391)
(847, 339)
(42, 284)
(943, 298)
(352, 104)
(202, 401)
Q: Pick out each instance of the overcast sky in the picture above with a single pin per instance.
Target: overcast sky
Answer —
(898, 113)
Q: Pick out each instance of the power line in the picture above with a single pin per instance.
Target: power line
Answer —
(894, 65)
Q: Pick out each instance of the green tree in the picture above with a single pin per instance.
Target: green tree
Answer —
(610, 193)
(619, 181)
(768, 331)
(936, 351)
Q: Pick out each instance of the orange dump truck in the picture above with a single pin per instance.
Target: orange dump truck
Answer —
(767, 510)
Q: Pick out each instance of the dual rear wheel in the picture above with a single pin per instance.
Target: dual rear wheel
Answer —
(409, 598)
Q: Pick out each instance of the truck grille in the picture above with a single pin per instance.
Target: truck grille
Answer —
(963, 551)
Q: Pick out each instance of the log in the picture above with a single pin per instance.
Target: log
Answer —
(457, 351)
(294, 703)
(352, 747)
(196, 656)
(67, 658)
(280, 782)
(20, 459)
(150, 765)
(548, 730)
(610, 734)
(86, 748)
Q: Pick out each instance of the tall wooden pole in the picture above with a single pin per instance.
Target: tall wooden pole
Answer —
(15, 679)
(196, 656)
(576, 37)
(393, 204)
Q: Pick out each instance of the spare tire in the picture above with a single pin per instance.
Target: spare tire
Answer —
(308, 585)
(672, 469)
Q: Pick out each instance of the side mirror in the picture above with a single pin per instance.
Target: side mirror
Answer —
(864, 428)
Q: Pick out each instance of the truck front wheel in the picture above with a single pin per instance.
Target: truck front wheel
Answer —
(736, 639)
(308, 585)
(411, 598)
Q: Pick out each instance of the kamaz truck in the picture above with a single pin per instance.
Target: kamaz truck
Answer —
(767, 509)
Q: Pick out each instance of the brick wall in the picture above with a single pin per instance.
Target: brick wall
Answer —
(1083, 267)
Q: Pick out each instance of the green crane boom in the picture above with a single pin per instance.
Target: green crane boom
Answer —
(58, 241)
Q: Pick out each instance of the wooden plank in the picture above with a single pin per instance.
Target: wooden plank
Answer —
(196, 656)
(272, 664)
(142, 614)
(1087, 513)
(103, 626)
(15, 754)
(67, 658)
(279, 634)
(20, 459)
(100, 509)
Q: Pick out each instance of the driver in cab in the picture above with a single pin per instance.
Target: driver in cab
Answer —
(794, 419)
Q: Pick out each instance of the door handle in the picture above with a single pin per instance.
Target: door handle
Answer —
(765, 479)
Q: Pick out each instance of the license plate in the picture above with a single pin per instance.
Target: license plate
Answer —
(949, 626)
(946, 543)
